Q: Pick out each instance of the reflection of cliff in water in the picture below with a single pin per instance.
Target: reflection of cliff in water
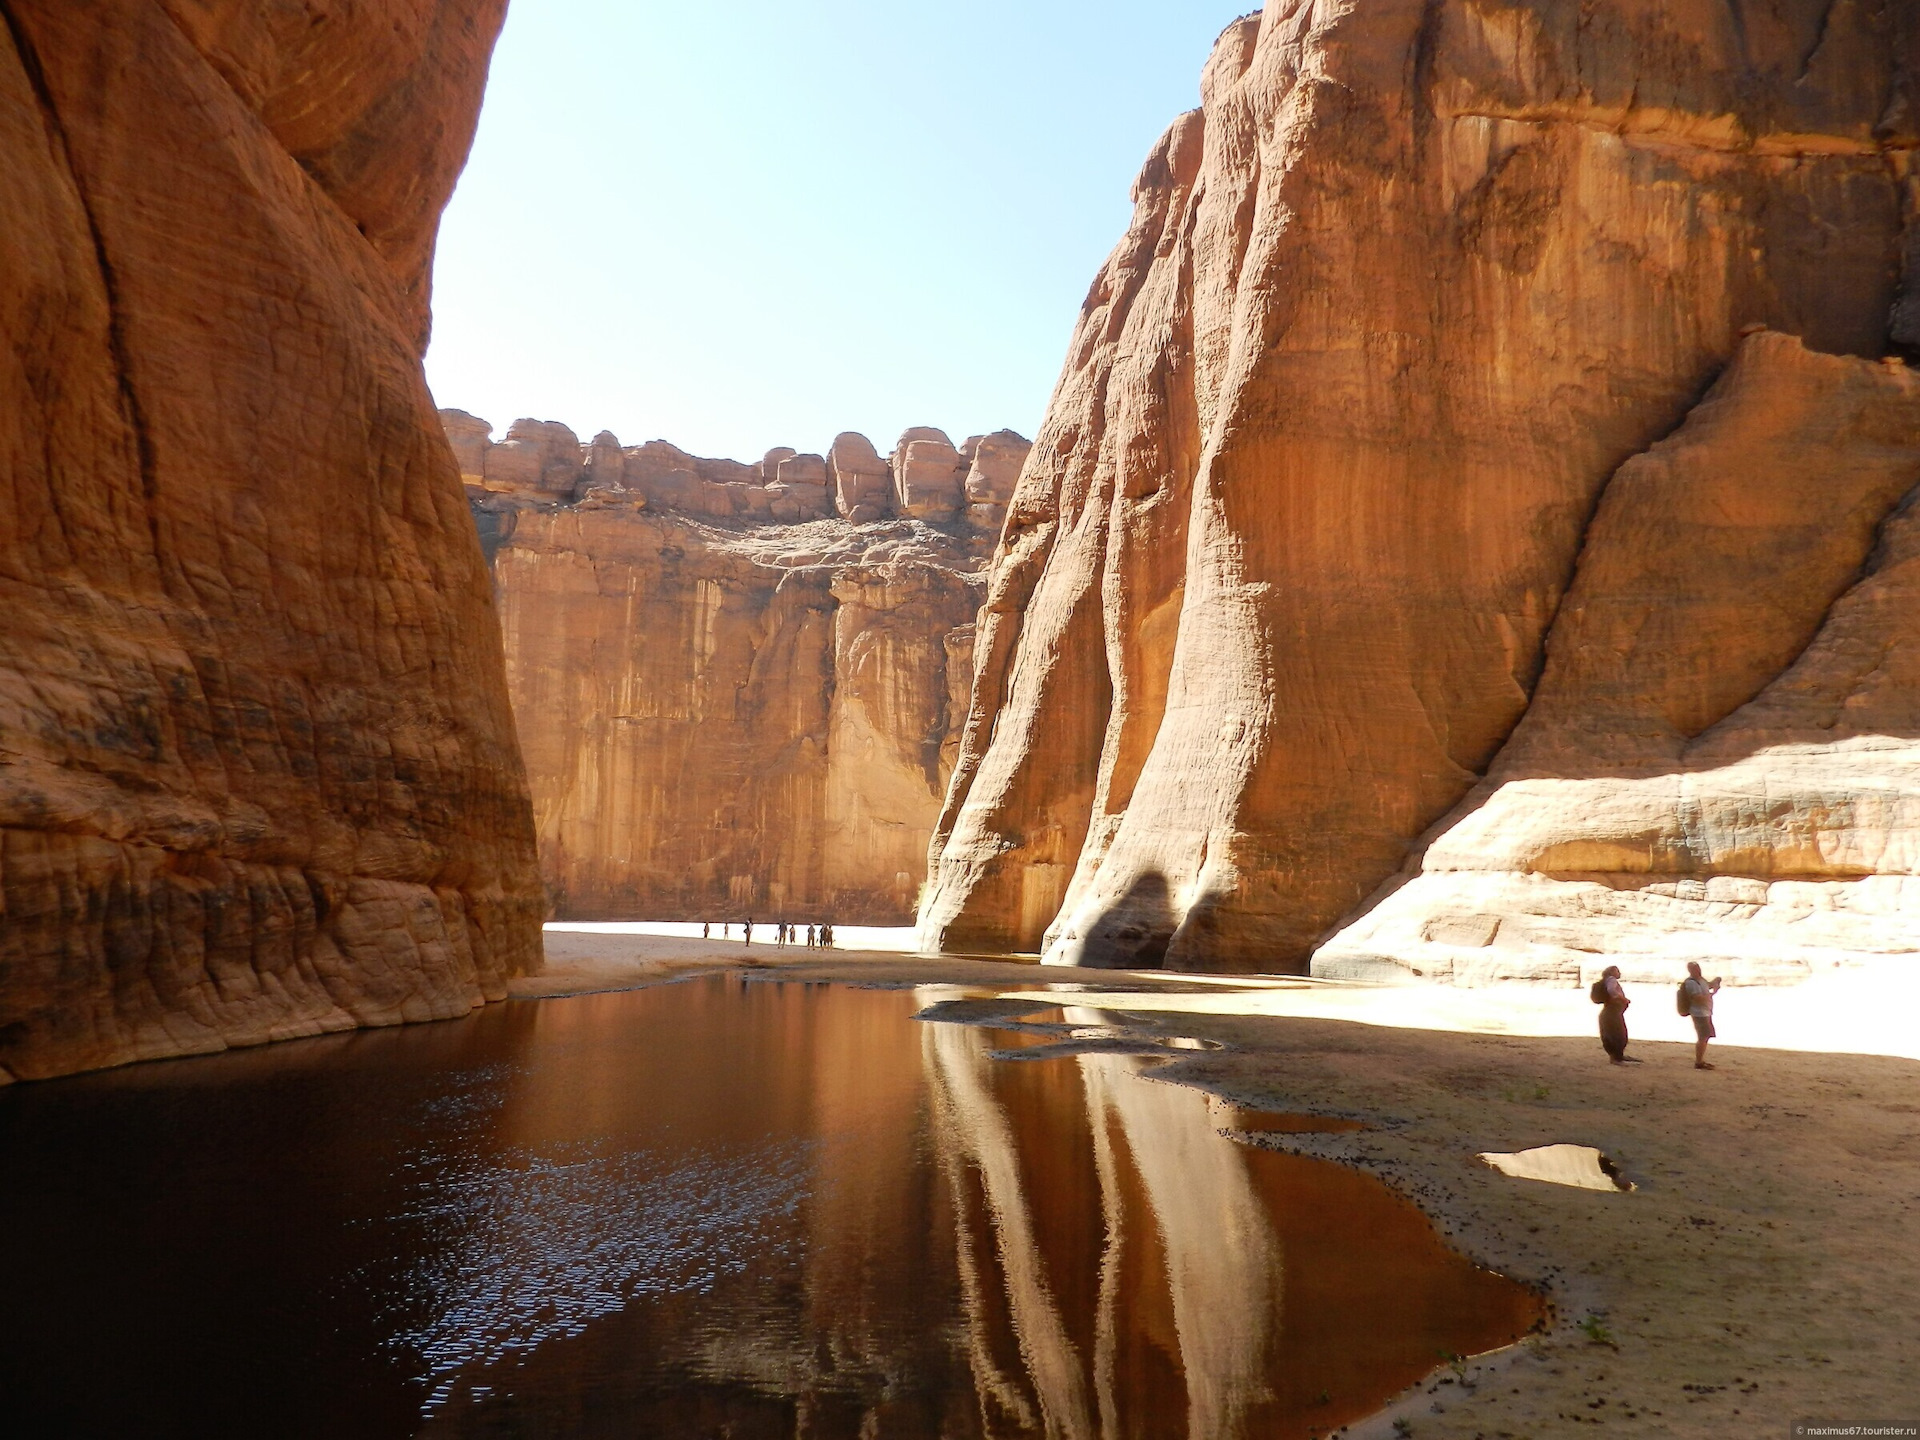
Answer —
(709, 1208)
(1116, 1282)
(1127, 1270)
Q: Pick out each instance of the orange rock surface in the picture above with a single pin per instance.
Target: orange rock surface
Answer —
(734, 702)
(1720, 761)
(1396, 304)
(258, 774)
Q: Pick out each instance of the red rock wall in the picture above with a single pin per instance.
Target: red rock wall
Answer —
(1396, 303)
(258, 775)
(732, 720)
(1722, 758)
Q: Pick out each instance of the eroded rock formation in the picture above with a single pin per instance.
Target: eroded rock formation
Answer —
(1722, 757)
(1278, 582)
(733, 700)
(257, 771)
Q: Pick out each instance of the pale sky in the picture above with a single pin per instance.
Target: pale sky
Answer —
(746, 224)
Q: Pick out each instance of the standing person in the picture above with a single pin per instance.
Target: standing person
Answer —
(705, 925)
(747, 930)
(1698, 992)
(1612, 996)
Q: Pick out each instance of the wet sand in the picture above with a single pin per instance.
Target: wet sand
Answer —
(1764, 1271)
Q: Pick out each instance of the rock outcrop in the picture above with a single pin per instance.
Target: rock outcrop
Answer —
(258, 775)
(734, 701)
(1278, 583)
(1722, 757)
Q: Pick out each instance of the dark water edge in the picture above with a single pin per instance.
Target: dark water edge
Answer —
(708, 1208)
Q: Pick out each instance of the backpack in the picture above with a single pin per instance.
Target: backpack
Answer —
(1682, 1001)
(1598, 994)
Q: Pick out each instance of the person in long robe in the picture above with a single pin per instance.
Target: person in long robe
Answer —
(1613, 1017)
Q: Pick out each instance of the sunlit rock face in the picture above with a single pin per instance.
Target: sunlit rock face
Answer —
(733, 700)
(1722, 758)
(257, 769)
(1277, 583)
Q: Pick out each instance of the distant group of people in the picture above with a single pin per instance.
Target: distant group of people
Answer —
(1694, 999)
(818, 937)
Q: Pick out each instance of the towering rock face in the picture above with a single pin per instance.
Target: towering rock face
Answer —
(257, 770)
(733, 702)
(1396, 304)
(1721, 759)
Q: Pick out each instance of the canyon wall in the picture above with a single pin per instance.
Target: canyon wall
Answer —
(1397, 466)
(1722, 757)
(258, 774)
(737, 684)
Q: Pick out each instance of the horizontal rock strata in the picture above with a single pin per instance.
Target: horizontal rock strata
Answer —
(1396, 304)
(258, 775)
(738, 686)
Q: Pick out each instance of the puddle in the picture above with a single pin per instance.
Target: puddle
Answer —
(1227, 1116)
(1017, 1031)
(712, 1207)
(1580, 1166)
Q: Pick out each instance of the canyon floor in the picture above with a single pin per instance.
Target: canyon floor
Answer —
(1762, 1272)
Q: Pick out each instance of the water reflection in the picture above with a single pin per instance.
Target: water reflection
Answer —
(712, 1208)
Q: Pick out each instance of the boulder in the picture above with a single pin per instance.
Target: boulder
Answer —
(771, 461)
(928, 478)
(862, 483)
(799, 491)
(994, 467)
(606, 463)
(538, 457)
(469, 437)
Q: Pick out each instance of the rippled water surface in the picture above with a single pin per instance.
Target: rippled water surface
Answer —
(715, 1208)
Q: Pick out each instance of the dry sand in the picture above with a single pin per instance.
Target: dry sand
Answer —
(1764, 1272)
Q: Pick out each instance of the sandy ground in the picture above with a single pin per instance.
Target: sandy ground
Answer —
(1766, 1271)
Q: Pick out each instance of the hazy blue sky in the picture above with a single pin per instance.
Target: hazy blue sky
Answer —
(736, 224)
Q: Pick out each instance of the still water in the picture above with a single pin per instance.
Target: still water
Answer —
(715, 1208)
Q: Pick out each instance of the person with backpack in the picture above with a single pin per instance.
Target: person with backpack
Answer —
(1611, 996)
(1695, 1000)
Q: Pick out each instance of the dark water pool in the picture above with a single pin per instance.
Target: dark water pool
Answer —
(707, 1209)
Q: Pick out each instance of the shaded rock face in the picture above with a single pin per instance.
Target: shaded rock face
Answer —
(1277, 582)
(732, 702)
(258, 775)
(1722, 758)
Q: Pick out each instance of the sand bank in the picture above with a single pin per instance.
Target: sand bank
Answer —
(1763, 1271)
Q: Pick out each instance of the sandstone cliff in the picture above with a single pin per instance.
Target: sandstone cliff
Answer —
(1722, 757)
(258, 775)
(738, 685)
(1396, 306)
